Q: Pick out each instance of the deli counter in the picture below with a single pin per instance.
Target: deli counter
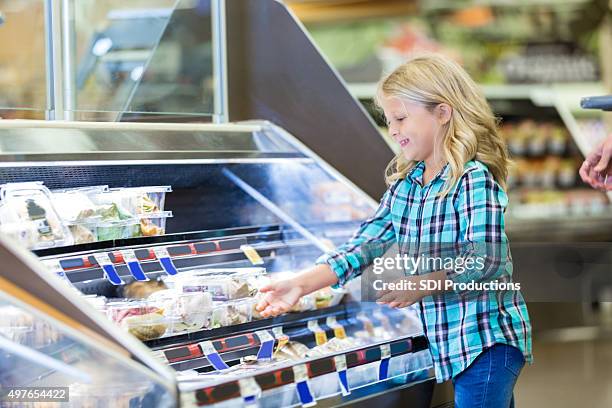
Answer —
(132, 255)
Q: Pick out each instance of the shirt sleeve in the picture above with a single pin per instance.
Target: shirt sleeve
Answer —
(373, 238)
(481, 204)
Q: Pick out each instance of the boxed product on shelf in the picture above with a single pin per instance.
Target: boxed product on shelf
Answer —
(136, 200)
(190, 311)
(98, 213)
(27, 214)
(232, 312)
(222, 284)
(143, 319)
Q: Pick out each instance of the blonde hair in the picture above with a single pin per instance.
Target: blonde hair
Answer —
(470, 134)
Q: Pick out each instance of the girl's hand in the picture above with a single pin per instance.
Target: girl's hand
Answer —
(279, 297)
(597, 167)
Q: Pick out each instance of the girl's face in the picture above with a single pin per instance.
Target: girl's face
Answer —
(414, 128)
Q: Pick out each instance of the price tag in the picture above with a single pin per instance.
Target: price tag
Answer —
(129, 257)
(109, 269)
(249, 390)
(341, 368)
(319, 333)
(209, 350)
(385, 356)
(339, 331)
(266, 347)
(300, 375)
(162, 255)
(251, 254)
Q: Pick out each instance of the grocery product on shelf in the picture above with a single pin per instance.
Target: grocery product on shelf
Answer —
(223, 284)
(142, 319)
(190, 311)
(28, 215)
(98, 213)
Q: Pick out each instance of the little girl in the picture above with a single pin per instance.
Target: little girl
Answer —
(445, 186)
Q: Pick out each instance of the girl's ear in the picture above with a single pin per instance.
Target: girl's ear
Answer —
(444, 113)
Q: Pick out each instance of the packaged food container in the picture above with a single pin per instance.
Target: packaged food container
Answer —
(95, 231)
(221, 287)
(28, 215)
(232, 312)
(154, 224)
(136, 200)
(189, 311)
(142, 319)
(74, 204)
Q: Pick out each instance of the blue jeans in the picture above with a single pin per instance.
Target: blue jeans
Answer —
(488, 382)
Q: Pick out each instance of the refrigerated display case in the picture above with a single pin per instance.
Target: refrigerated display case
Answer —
(250, 202)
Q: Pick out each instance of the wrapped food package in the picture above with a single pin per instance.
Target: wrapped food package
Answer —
(28, 215)
(139, 318)
(223, 285)
(189, 311)
(232, 312)
(292, 350)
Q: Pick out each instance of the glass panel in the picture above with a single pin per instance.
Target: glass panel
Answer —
(38, 352)
(141, 57)
(22, 59)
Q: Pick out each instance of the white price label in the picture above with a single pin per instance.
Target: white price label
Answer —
(340, 362)
(129, 256)
(385, 351)
(300, 373)
(161, 252)
(249, 387)
(264, 336)
(208, 348)
(103, 259)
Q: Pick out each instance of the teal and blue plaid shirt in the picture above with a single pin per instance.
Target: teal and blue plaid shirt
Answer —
(459, 326)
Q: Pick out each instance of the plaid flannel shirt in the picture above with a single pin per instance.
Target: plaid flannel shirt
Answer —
(459, 326)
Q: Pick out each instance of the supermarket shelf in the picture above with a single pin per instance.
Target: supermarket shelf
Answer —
(280, 377)
(540, 94)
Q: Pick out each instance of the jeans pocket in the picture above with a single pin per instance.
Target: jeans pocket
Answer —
(514, 360)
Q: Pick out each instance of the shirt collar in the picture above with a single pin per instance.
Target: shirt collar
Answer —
(416, 173)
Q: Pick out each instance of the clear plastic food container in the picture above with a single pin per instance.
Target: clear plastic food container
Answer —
(188, 311)
(94, 231)
(232, 312)
(221, 287)
(28, 215)
(74, 204)
(143, 319)
(154, 224)
(137, 200)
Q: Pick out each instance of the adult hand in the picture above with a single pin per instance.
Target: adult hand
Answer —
(597, 167)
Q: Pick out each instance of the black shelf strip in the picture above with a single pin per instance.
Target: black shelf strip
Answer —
(318, 367)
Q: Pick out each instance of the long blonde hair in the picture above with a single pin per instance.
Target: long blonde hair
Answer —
(470, 134)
